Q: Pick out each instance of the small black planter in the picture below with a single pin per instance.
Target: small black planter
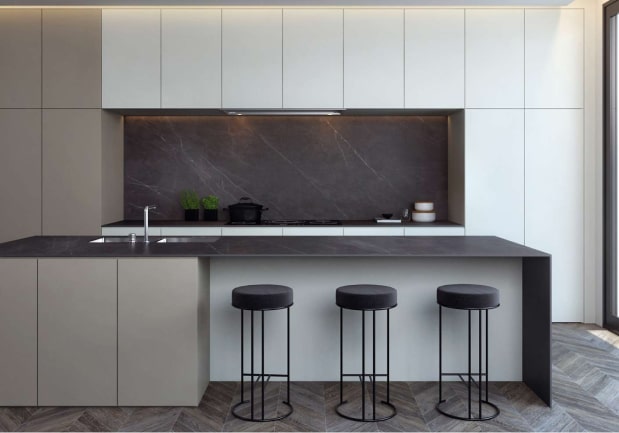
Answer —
(192, 214)
(210, 214)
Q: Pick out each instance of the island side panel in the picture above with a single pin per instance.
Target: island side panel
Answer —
(536, 326)
(18, 332)
(414, 322)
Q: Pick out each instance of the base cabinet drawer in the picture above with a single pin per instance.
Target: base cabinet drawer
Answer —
(18, 332)
(77, 332)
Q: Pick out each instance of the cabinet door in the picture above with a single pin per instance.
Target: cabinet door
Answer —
(72, 58)
(252, 58)
(494, 166)
(494, 58)
(77, 332)
(72, 166)
(131, 58)
(313, 58)
(191, 58)
(20, 51)
(18, 332)
(159, 333)
(555, 204)
(20, 174)
(554, 58)
(374, 58)
(434, 58)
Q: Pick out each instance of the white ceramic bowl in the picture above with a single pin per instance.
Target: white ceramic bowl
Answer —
(424, 217)
(424, 206)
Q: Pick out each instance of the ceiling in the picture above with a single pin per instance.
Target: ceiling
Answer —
(377, 3)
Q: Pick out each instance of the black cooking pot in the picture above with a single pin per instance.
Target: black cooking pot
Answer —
(246, 212)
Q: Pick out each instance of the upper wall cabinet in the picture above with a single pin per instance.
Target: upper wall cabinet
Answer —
(252, 58)
(495, 58)
(71, 58)
(131, 58)
(20, 54)
(313, 58)
(191, 58)
(554, 58)
(374, 58)
(434, 58)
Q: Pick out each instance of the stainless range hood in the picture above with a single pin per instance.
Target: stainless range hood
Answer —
(282, 113)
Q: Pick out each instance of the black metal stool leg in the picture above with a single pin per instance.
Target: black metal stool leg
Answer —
(252, 365)
(374, 365)
(479, 359)
(440, 353)
(363, 365)
(388, 331)
(487, 355)
(288, 355)
(469, 375)
(242, 356)
(262, 376)
(341, 356)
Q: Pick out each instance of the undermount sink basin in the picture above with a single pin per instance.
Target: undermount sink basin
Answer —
(188, 239)
(120, 239)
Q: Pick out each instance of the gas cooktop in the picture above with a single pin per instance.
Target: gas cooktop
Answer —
(293, 223)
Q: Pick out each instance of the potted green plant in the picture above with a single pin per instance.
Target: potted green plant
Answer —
(210, 203)
(191, 203)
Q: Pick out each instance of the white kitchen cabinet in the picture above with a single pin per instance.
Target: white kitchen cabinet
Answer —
(433, 231)
(494, 166)
(384, 230)
(18, 332)
(313, 231)
(434, 58)
(494, 58)
(163, 331)
(191, 58)
(77, 332)
(252, 58)
(313, 58)
(554, 56)
(240, 230)
(554, 216)
(374, 58)
(131, 58)
(191, 231)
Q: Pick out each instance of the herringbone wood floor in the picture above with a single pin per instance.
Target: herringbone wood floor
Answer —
(586, 396)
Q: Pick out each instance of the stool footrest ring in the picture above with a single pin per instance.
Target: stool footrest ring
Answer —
(496, 413)
(371, 419)
(257, 418)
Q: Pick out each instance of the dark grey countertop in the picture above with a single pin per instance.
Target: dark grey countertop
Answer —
(275, 246)
(345, 223)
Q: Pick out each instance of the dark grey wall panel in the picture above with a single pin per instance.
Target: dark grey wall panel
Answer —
(299, 167)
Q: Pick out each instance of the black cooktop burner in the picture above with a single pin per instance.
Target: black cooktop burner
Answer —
(293, 223)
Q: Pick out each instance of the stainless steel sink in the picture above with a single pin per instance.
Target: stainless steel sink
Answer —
(188, 239)
(117, 240)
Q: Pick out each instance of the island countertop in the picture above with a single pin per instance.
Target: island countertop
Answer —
(265, 246)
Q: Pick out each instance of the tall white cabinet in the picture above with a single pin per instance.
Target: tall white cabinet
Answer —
(494, 58)
(191, 58)
(494, 165)
(554, 58)
(374, 58)
(252, 58)
(131, 60)
(434, 58)
(554, 204)
(313, 57)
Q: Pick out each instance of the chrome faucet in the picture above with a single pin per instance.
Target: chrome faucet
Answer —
(146, 209)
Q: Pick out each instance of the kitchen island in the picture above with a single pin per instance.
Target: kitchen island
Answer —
(166, 326)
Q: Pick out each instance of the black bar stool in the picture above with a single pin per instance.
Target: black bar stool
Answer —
(365, 297)
(471, 297)
(261, 297)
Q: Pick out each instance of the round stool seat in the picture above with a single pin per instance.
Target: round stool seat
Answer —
(467, 296)
(366, 297)
(262, 297)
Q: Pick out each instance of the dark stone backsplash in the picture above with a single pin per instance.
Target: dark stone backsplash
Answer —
(306, 167)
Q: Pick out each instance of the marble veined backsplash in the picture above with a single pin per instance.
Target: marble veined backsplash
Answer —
(339, 167)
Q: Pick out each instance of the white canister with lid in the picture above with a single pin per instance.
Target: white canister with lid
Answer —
(424, 216)
(424, 206)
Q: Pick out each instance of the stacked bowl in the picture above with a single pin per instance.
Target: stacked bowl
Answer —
(423, 212)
